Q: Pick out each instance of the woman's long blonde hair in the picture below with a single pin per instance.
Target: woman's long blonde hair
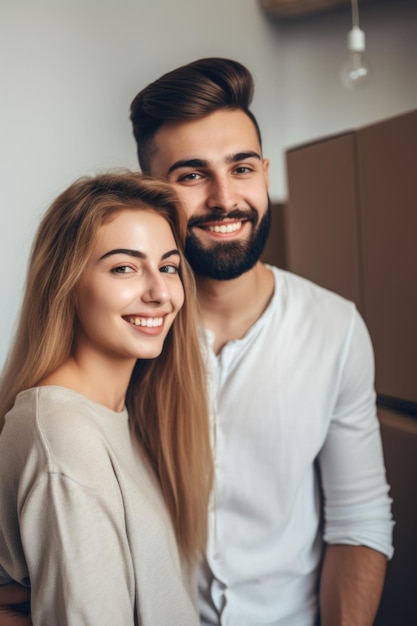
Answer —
(166, 397)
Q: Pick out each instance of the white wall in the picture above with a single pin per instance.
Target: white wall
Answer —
(69, 70)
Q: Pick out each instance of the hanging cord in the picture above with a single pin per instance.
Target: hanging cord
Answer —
(355, 13)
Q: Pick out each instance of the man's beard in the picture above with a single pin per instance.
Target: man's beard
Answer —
(228, 260)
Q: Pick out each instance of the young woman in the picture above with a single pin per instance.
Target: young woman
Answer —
(105, 458)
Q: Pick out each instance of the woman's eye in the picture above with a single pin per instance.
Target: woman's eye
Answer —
(122, 269)
(169, 269)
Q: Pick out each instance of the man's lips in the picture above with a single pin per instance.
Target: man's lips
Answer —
(224, 227)
(215, 222)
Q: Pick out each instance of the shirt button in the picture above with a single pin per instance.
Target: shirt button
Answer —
(216, 556)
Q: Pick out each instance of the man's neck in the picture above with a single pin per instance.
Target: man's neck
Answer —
(230, 307)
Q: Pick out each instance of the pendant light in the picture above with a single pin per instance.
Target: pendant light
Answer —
(355, 71)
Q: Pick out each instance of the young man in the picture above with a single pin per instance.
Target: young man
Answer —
(290, 374)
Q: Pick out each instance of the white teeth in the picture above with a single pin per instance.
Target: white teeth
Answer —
(149, 322)
(225, 228)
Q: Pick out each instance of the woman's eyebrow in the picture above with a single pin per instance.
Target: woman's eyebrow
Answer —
(136, 253)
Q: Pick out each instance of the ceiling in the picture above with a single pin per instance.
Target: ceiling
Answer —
(290, 9)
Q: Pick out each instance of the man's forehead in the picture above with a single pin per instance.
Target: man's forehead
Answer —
(228, 136)
(221, 123)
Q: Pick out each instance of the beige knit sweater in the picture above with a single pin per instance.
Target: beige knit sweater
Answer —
(82, 518)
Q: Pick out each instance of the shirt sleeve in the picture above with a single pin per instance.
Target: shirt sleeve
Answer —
(77, 554)
(357, 507)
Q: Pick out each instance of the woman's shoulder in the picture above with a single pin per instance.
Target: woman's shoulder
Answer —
(43, 433)
(67, 429)
(51, 400)
(51, 406)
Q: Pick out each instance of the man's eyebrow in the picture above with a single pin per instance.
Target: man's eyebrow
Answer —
(242, 156)
(137, 253)
(187, 163)
(196, 163)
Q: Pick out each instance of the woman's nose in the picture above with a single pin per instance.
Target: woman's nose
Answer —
(156, 288)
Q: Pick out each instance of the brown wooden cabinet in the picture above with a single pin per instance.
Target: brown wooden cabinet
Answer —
(399, 438)
(352, 227)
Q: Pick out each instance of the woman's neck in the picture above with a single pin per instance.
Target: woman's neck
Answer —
(102, 380)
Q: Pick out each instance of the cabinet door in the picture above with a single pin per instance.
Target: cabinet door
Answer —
(275, 252)
(352, 227)
(399, 438)
(387, 174)
(322, 215)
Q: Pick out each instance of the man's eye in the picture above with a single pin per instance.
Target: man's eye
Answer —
(169, 269)
(192, 176)
(122, 269)
(243, 169)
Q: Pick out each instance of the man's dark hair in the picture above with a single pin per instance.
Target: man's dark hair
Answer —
(186, 93)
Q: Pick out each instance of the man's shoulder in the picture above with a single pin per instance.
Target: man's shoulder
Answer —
(301, 287)
(305, 301)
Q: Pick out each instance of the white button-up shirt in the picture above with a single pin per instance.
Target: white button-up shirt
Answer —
(293, 397)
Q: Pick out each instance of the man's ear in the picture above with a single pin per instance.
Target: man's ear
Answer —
(265, 163)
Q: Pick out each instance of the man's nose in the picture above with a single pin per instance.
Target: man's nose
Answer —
(222, 194)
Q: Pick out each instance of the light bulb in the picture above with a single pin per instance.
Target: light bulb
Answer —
(356, 70)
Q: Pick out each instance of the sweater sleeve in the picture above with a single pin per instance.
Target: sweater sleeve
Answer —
(77, 554)
(357, 507)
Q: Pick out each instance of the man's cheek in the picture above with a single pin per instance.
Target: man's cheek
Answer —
(189, 204)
